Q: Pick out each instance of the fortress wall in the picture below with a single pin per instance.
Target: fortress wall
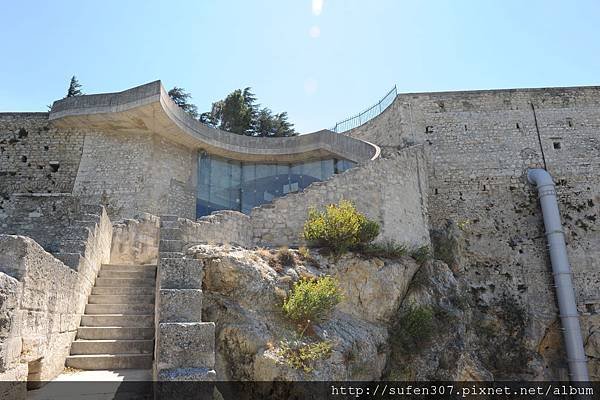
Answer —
(396, 200)
(131, 173)
(34, 157)
(479, 146)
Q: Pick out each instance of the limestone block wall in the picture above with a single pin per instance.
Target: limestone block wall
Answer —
(223, 227)
(390, 190)
(478, 146)
(135, 241)
(138, 172)
(43, 300)
(184, 345)
(36, 157)
(55, 277)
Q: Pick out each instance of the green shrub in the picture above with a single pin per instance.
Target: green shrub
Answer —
(301, 355)
(312, 300)
(340, 227)
(389, 249)
(421, 254)
(414, 328)
(285, 257)
(368, 231)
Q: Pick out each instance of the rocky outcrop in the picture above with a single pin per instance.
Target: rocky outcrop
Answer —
(397, 321)
(243, 295)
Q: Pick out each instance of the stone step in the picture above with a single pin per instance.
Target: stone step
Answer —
(114, 332)
(124, 309)
(130, 346)
(110, 361)
(120, 299)
(110, 274)
(143, 321)
(127, 267)
(123, 290)
(125, 282)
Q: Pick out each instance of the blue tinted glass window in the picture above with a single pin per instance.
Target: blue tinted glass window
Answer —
(232, 185)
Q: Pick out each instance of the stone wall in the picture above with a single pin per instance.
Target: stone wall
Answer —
(479, 146)
(398, 201)
(130, 173)
(35, 157)
(47, 292)
(135, 241)
(184, 346)
(43, 300)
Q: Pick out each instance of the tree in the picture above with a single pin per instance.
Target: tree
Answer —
(239, 113)
(182, 99)
(74, 88)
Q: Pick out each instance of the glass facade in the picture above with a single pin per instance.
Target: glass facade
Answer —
(225, 184)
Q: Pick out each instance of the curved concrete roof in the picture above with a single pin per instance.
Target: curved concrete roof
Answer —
(149, 108)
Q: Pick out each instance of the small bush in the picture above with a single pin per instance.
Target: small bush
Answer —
(368, 231)
(285, 257)
(414, 328)
(312, 300)
(389, 249)
(301, 355)
(421, 254)
(339, 227)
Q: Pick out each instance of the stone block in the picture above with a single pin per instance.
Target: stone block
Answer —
(180, 273)
(180, 305)
(10, 353)
(187, 374)
(185, 345)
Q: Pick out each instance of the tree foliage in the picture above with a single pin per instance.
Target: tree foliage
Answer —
(74, 88)
(240, 113)
(182, 99)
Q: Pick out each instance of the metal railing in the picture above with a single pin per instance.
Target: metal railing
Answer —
(366, 115)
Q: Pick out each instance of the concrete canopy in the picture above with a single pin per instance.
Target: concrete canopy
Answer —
(148, 108)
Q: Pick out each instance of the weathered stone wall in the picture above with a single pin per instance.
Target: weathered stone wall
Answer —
(35, 157)
(43, 300)
(479, 146)
(130, 173)
(50, 290)
(184, 346)
(135, 241)
(397, 200)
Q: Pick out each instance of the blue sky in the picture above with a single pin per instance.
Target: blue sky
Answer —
(320, 61)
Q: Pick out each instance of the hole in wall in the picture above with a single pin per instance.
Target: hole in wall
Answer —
(570, 122)
(518, 125)
(46, 148)
(54, 166)
(429, 129)
(24, 159)
(556, 145)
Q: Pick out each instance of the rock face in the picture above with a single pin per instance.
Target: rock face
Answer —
(397, 321)
(243, 295)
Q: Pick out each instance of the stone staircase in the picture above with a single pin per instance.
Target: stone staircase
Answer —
(117, 329)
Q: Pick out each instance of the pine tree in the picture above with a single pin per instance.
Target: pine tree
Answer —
(239, 113)
(74, 88)
(182, 99)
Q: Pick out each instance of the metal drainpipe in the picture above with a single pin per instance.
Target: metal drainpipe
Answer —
(567, 307)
